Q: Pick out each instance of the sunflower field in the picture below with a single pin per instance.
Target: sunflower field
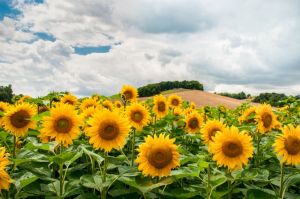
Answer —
(59, 146)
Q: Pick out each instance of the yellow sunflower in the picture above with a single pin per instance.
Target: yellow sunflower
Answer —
(118, 104)
(231, 148)
(193, 105)
(62, 124)
(4, 177)
(193, 122)
(266, 119)
(247, 113)
(177, 111)
(108, 105)
(87, 113)
(174, 101)
(108, 130)
(69, 99)
(18, 119)
(88, 102)
(157, 156)
(138, 116)
(210, 129)
(287, 145)
(129, 93)
(24, 98)
(161, 106)
(3, 108)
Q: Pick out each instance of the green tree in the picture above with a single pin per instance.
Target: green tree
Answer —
(6, 93)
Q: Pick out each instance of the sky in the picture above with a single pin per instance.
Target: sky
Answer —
(96, 46)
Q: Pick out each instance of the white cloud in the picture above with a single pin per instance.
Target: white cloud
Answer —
(233, 45)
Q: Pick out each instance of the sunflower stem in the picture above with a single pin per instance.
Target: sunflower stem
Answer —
(208, 181)
(281, 191)
(258, 151)
(154, 128)
(14, 147)
(132, 147)
(61, 174)
(229, 196)
(104, 190)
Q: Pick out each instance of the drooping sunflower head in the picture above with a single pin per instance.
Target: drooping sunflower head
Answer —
(24, 98)
(69, 99)
(62, 125)
(231, 148)
(5, 179)
(108, 105)
(88, 102)
(210, 129)
(174, 101)
(157, 156)
(193, 122)
(129, 93)
(18, 119)
(287, 145)
(161, 106)
(138, 116)
(249, 112)
(193, 105)
(265, 118)
(108, 130)
(118, 104)
(43, 108)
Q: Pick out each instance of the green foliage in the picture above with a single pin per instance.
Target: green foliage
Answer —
(240, 95)
(6, 94)
(275, 99)
(154, 89)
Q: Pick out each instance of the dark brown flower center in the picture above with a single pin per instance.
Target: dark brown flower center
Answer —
(118, 105)
(109, 131)
(161, 106)
(175, 102)
(20, 119)
(63, 125)
(128, 95)
(159, 157)
(69, 102)
(1, 109)
(292, 145)
(212, 133)
(193, 123)
(267, 120)
(232, 149)
(137, 116)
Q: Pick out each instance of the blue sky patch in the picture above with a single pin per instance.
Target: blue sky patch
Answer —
(91, 49)
(7, 10)
(45, 36)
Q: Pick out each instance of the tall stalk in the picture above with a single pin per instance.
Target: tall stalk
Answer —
(281, 191)
(104, 190)
(133, 147)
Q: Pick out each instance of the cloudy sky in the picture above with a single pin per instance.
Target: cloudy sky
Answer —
(97, 45)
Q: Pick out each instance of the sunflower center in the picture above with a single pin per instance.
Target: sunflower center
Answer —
(137, 116)
(128, 95)
(1, 109)
(175, 102)
(193, 123)
(20, 119)
(232, 149)
(109, 132)
(161, 106)
(292, 145)
(159, 157)
(212, 133)
(267, 120)
(69, 102)
(63, 125)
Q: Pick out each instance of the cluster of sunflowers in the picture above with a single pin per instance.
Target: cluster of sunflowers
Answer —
(158, 129)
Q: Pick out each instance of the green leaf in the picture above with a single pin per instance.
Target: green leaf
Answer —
(62, 158)
(24, 180)
(258, 194)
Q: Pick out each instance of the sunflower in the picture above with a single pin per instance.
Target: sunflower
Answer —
(177, 111)
(157, 156)
(247, 113)
(138, 116)
(87, 113)
(118, 104)
(193, 105)
(129, 93)
(4, 177)
(69, 99)
(210, 129)
(108, 105)
(161, 106)
(24, 98)
(231, 148)
(43, 108)
(174, 101)
(287, 145)
(62, 124)
(18, 119)
(193, 122)
(3, 108)
(108, 130)
(266, 118)
(88, 102)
